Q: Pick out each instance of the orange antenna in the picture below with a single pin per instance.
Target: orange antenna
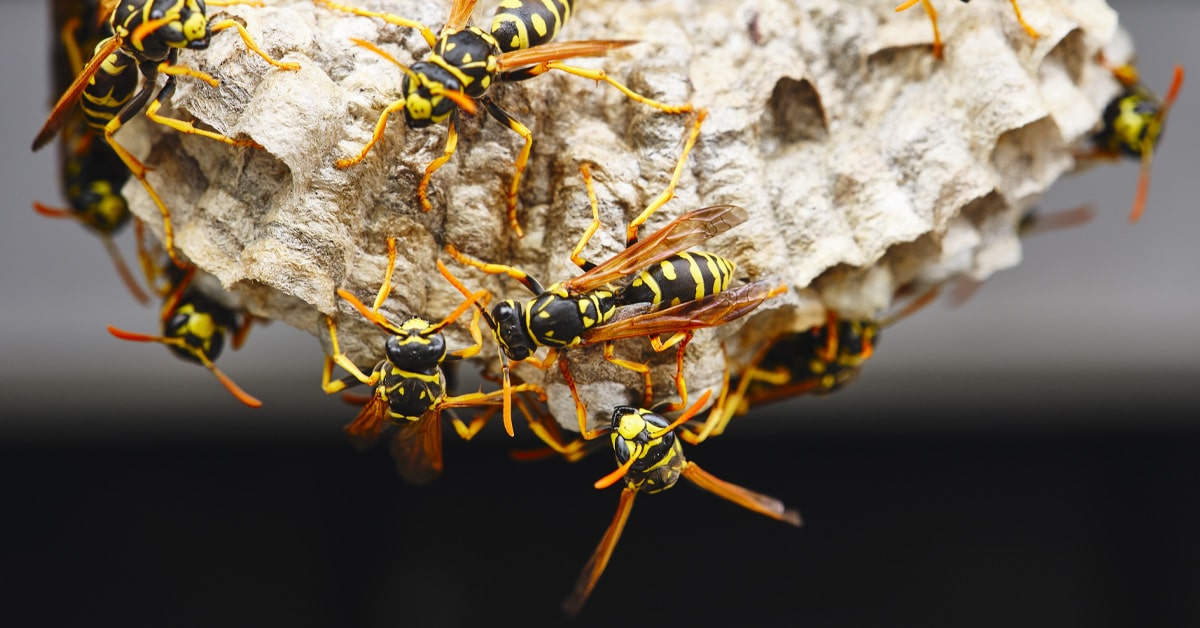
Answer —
(1143, 190)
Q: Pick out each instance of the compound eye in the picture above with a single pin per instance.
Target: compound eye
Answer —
(510, 331)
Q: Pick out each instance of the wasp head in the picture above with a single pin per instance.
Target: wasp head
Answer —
(202, 332)
(514, 338)
(424, 89)
(642, 435)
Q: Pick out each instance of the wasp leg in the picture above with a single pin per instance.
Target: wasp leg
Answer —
(496, 269)
(595, 75)
(331, 386)
(249, 41)
(577, 252)
(184, 126)
(447, 153)
(729, 405)
(932, 13)
(631, 235)
(680, 382)
(546, 429)
(637, 367)
(396, 20)
(467, 432)
(580, 408)
(376, 136)
(507, 120)
(1025, 25)
(138, 169)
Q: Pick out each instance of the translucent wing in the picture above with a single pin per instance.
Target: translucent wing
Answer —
(557, 51)
(460, 15)
(417, 449)
(62, 109)
(744, 497)
(709, 311)
(678, 235)
(599, 560)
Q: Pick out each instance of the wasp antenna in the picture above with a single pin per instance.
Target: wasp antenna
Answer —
(146, 28)
(616, 474)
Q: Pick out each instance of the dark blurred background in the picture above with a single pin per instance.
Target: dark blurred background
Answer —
(1026, 459)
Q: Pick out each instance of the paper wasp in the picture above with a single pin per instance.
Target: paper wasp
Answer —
(937, 37)
(409, 387)
(650, 459)
(1133, 124)
(194, 324)
(465, 61)
(92, 174)
(147, 37)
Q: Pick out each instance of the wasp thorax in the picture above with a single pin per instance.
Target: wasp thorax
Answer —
(511, 332)
(424, 103)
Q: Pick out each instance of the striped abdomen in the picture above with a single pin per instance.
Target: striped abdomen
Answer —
(109, 89)
(521, 24)
(679, 278)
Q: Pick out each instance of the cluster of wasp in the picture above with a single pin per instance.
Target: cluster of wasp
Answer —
(656, 288)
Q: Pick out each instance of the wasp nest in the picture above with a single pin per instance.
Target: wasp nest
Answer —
(864, 163)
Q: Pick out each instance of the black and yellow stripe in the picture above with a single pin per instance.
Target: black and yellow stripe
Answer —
(521, 24)
(683, 277)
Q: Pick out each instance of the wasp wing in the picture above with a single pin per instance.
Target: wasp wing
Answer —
(710, 311)
(678, 235)
(460, 15)
(744, 497)
(364, 429)
(557, 51)
(62, 109)
(599, 560)
(417, 449)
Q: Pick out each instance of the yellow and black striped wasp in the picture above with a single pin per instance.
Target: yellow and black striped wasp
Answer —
(146, 40)
(1133, 125)
(409, 387)
(659, 289)
(92, 173)
(937, 36)
(194, 324)
(650, 459)
(465, 61)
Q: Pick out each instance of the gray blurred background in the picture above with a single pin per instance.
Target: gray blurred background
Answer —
(1105, 311)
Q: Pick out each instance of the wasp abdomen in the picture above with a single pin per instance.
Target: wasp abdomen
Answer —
(521, 24)
(679, 278)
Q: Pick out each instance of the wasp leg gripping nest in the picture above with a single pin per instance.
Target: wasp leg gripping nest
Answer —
(865, 163)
